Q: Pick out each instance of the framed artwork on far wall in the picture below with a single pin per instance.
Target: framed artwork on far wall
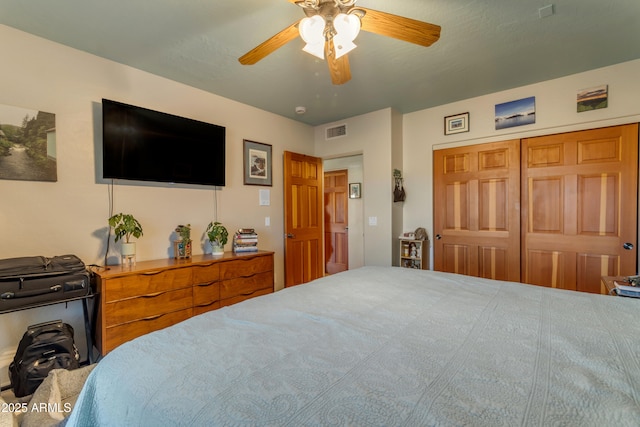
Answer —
(257, 163)
(27, 144)
(456, 124)
(354, 190)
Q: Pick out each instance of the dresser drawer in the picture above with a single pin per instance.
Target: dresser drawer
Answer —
(246, 286)
(240, 298)
(205, 273)
(246, 267)
(147, 306)
(199, 309)
(144, 283)
(206, 294)
(122, 333)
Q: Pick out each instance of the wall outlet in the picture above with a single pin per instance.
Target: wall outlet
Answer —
(373, 220)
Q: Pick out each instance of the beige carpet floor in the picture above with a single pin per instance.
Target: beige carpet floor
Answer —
(51, 402)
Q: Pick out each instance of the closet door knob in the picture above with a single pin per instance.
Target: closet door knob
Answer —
(438, 237)
(628, 246)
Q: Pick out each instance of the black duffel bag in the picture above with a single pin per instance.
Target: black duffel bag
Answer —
(43, 347)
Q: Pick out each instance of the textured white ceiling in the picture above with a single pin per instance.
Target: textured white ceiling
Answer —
(485, 46)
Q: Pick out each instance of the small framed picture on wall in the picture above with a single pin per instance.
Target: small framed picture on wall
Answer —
(257, 163)
(456, 124)
(354, 190)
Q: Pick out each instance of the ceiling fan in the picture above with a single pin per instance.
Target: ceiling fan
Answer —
(330, 26)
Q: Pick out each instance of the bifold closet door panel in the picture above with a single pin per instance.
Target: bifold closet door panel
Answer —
(579, 207)
(477, 210)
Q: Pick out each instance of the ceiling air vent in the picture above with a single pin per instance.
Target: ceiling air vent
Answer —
(336, 132)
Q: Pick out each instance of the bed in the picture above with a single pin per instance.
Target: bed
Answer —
(383, 346)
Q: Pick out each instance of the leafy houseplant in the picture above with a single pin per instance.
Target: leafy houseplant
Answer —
(184, 231)
(218, 236)
(125, 225)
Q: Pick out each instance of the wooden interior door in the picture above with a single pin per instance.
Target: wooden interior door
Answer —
(579, 202)
(303, 216)
(336, 221)
(477, 210)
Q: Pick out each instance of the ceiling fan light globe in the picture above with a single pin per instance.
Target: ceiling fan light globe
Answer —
(312, 29)
(342, 47)
(315, 49)
(347, 26)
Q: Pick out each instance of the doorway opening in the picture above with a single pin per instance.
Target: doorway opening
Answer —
(344, 215)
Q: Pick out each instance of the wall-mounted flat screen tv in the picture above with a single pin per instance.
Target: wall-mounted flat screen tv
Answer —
(145, 145)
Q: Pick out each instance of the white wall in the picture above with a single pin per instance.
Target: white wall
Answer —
(369, 135)
(397, 208)
(555, 113)
(70, 215)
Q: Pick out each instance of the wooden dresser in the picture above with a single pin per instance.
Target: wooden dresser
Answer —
(155, 294)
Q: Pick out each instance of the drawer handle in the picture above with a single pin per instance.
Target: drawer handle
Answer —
(206, 304)
(202, 285)
(152, 273)
(204, 265)
(157, 294)
(147, 319)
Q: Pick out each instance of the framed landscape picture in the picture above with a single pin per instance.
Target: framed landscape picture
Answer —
(27, 144)
(516, 113)
(593, 98)
(456, 124)
(354, 190)
(257, 163)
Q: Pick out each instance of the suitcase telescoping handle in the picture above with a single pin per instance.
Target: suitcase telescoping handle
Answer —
(33, 293)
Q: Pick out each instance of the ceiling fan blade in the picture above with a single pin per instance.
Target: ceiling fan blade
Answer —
(270, 45)
(398, 27)
(338, 68)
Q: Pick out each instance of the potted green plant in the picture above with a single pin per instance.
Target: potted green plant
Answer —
(218, 236)
(184, 231)
(126, 226)
(182, 247)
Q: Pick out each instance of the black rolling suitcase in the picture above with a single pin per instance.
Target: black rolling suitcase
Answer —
(28, 281)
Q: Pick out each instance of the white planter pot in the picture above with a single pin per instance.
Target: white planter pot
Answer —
(128, 249)
(216, 250)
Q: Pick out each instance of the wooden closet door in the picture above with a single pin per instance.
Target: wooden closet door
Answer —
(579, 207)
(477, 210)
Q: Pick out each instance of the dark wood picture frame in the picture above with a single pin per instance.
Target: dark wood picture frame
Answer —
(355, 190)
(456, 124)
(257, 163)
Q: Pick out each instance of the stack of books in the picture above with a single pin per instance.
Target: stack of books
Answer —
(627, 287)
(245, 240)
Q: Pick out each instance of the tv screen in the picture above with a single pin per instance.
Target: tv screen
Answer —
(146, 145)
